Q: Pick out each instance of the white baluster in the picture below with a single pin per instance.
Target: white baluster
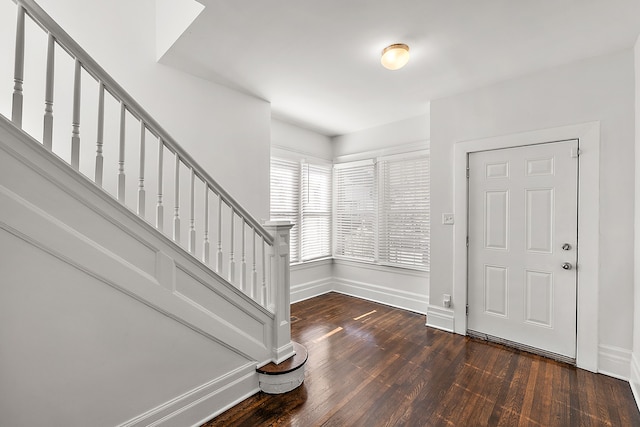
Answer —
(18, 75)
(205, 245)
(75, 132)
(47, 136)
(219, 254)
(243, 265)
(141, 192)
(176, 214)
(121, 175)
(232, 262)
(263, 294)
(100, 136)
(254, 273)
(159, 207)
(192, 215)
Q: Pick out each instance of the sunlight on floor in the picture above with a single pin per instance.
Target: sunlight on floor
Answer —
(328, 334)
(364, 315)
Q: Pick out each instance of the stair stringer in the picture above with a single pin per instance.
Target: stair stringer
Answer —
(63, 214)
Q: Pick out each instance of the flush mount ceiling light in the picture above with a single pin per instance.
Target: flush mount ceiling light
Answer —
(395, 56)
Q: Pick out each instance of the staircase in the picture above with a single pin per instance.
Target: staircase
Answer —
(113, 314)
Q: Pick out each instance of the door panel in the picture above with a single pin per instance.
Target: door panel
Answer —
(496, 219)
(495, 290)
(522, 209)
(539, 291)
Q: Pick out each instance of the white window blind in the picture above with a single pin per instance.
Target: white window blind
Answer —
(404, 212)
(285, 199)
(301, 193)
(316, 211)
(355, 210)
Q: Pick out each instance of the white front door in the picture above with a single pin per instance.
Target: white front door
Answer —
(522, 256)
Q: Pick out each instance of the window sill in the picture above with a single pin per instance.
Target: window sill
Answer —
(310, 264)
(357, 263)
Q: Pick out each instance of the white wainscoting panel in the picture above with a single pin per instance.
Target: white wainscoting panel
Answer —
(440, 318)
(382, 294)
(194, 406)
(614, 361)
(311, 279)
(397, 287)
(314, 288)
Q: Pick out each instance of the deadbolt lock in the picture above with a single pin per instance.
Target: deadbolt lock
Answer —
(566, 247)
(567, 266)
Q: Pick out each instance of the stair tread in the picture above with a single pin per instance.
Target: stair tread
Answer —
(289, 365)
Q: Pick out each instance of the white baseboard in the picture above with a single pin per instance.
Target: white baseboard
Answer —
(614, 361)
(634, 379)
(388, 296)
(202, 403)
(314, 288)
(440, 318)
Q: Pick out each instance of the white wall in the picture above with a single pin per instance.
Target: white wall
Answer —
(635, 358)
(311, 279)
(597, 89)
(300, 142)
(397, 287)
(225, 131)
(415, 129)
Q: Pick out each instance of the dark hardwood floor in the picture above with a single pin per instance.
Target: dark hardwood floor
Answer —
(373, 365)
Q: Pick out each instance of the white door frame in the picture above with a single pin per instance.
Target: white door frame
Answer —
(588, 227)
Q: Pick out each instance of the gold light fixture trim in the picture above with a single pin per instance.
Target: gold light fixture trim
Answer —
(395, 56)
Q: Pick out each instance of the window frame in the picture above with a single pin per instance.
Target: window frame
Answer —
(378, 184)
(296, 255)
(384, 209)
(362, 164)
(326, 212)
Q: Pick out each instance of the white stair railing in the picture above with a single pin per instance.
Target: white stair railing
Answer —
(236, 228)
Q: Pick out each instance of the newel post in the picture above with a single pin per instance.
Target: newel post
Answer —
(279, 295)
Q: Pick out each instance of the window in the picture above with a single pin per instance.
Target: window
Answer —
(404, 212)
(382, 211)
(355, 213)
(316, 211)
(301, 193)
(285, 199)
(379, 212)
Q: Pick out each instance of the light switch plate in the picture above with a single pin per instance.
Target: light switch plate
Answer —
(447, 218)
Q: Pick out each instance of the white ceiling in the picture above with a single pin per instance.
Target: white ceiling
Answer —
(318, 61)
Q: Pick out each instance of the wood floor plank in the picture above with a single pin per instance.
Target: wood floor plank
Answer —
(374, 365)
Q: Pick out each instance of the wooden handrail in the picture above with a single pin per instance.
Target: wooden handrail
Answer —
(118, 92)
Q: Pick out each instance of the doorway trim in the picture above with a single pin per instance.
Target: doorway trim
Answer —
(588, 135)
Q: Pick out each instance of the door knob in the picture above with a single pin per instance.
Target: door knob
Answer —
(566, 247)
(567, 266)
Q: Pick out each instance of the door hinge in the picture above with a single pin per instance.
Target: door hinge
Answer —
(467, 172)
(467, 311)
(575, 152)
(467, 241)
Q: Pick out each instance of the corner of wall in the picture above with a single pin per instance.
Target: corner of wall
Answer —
(614, 361)
(634, 379)
(313, 288)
